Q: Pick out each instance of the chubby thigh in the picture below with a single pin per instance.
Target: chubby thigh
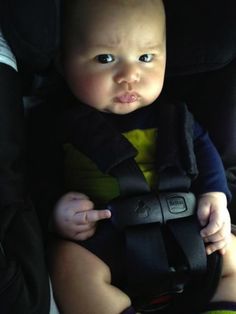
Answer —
(82, 282)
(108, 244)
(226, 290)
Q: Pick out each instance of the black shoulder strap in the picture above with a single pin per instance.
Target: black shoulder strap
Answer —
(176, 164)
(92, 134)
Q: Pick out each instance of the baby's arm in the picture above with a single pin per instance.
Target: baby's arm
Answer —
(75, 218)
(215, 219)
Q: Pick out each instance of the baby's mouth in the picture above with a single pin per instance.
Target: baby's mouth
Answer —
(127, 98)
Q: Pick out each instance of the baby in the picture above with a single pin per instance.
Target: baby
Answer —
(113, 60)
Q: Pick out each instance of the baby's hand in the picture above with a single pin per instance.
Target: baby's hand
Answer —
(215, 219)
(75, 218)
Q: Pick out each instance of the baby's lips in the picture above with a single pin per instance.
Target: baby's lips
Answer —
(127, 98)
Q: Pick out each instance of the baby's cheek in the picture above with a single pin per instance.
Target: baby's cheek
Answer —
(94, 91)
(86, 90)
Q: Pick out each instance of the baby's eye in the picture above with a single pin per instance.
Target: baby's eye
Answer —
(148, 57)
(105, 58)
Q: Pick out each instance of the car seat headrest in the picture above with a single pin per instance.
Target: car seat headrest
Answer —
(201, 35)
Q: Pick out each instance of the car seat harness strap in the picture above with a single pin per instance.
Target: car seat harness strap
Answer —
(164, 250)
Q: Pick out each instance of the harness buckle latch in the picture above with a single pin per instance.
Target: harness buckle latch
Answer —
(150, 208)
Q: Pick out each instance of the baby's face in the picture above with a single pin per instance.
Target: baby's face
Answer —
(118, 62)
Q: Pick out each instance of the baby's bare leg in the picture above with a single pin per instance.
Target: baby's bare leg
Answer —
(82, 282)
(226, 290)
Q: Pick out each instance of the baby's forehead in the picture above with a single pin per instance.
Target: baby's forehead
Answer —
(84, 9)
(90, 17)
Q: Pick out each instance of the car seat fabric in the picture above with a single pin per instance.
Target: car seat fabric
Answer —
(201, 35)
(31, 28)
(24, 286)
(201, 67)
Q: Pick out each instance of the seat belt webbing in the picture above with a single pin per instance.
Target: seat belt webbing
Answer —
(146, 258)
(187, 234)
(130, 178)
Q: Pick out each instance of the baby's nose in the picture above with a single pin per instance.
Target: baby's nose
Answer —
(128, 74)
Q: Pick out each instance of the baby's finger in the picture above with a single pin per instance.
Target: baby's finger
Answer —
(216, 246)
(90, 216)
(218, 236)
(223, 251)
(96, 215)
(84, 227)
(81, 236)
(214, 225)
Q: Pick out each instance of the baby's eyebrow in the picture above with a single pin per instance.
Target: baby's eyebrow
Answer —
(109, 43)
(104, 46)
(110, 46)
(152, 47)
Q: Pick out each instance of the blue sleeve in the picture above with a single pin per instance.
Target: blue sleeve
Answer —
(211, 170)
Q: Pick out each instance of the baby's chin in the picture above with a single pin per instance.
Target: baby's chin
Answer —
(123, 108)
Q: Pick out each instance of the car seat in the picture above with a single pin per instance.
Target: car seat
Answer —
(30, 32)
(201, 69)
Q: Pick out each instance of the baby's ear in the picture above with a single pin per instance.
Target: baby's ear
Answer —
(58, 63)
